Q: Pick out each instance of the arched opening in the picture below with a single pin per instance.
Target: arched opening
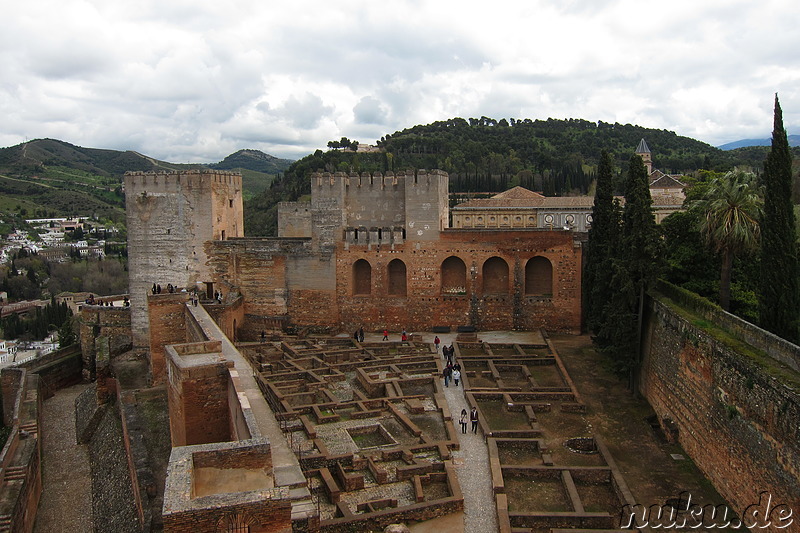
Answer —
(539, 277)
(397, 278)
(362, 278)
(454, 276)
(495, 276)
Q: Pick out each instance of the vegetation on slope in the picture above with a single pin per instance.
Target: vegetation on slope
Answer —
(556, 157)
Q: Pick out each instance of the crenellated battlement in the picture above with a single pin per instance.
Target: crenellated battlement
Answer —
(378, 179)
(196, 177)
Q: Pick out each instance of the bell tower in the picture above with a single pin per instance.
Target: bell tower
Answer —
(644, 151)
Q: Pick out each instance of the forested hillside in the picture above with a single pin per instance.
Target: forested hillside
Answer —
(555, 157)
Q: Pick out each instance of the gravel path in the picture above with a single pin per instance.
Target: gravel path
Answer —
(66, 481)
(472, 469)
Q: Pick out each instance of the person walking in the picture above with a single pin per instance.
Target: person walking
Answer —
(446, 373)
(473, 416)
(456, 376)
(404, 336)
(436, 341)
(361, 334)
(386, 334)
(463, 421)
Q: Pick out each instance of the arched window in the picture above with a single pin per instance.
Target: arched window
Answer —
(362, 278)
(454, 276)
(495, 276)
(539, 276)
(397, 278)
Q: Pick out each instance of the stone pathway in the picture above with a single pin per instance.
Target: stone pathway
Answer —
(472, 468)
(471, 461)
(66, 503)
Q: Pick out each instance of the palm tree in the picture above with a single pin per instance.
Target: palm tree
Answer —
(729, 215)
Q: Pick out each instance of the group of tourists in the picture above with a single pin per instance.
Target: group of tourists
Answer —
(359, 334)
(451, 372)
(473, 417)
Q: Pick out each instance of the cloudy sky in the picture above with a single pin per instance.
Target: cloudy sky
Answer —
(194, 81)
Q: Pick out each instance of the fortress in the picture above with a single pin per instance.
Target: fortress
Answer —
(316, 432)
(367, 250)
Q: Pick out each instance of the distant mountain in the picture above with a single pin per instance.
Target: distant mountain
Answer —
(47, 177)
(35, 156)
(253, 160)
(794, 140)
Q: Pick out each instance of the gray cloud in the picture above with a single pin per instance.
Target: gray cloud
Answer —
(195, 81)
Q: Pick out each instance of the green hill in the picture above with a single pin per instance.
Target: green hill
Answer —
(48, 177)
(556, 157)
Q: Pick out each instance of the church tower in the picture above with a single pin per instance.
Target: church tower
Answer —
(644, 151)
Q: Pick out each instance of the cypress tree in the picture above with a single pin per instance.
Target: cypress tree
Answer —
(600, 245)
(633, 269)
(779, 298)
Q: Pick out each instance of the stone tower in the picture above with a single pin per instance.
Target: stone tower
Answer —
(170, 217)
(644, 151)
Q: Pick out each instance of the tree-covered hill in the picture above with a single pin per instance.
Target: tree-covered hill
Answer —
(556, 157)
(253, 160)
(48, 177)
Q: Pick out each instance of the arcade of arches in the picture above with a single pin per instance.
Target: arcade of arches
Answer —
(538, 280)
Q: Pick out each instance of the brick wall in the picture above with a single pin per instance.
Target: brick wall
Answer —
(735, 419)
(261, 517)
(197, 393)
(279, 277)
(167, 326)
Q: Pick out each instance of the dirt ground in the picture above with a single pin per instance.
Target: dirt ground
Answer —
(644, 459)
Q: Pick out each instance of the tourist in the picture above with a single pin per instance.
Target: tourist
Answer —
(361, 334)
(355, 335)
(404, 336)
(263, 335)
(436, 342)
(446, 373)
(386, 334)
(473, 416)
(463, 421)
(456, 376)
(154, 288)
(158, 289)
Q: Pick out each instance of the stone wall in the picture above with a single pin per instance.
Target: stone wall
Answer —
(734, 410)
(57, 369)
(112, 323)
(198, 395)
(167, 326)
(170, 216)
(284, 277)
(114, 501)
(21, 456)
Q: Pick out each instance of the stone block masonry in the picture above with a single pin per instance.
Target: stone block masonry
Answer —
(170, 216)
(735, 415)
